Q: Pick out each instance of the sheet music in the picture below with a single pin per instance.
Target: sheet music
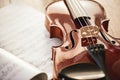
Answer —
(22, 33)
(12, 68)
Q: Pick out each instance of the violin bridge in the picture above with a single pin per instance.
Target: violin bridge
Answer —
(89, 35)
(89, 31)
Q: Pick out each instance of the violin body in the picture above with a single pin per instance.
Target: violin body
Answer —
(62, 24)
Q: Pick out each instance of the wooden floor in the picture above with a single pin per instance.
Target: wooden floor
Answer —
(112, 8)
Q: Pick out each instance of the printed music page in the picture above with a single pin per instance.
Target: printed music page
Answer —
(12, 68)
(23, 33)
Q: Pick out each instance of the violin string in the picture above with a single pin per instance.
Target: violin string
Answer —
(78, 19)
(72, 8)
(85, 13)
(80, 12)
(78, 7)
(84, 10)
(75, 13)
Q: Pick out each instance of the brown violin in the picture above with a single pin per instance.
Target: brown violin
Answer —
(87, 51)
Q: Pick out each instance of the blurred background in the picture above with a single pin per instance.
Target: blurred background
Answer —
(37, 4)
(111, 6)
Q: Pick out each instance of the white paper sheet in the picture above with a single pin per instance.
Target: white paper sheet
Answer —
(13, 68)
(23, 33)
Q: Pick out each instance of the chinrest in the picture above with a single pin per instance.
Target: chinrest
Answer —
(81, 71)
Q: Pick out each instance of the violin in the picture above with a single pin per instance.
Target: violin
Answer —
(87, 51)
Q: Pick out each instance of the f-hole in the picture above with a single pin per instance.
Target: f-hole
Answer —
(72, 40)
